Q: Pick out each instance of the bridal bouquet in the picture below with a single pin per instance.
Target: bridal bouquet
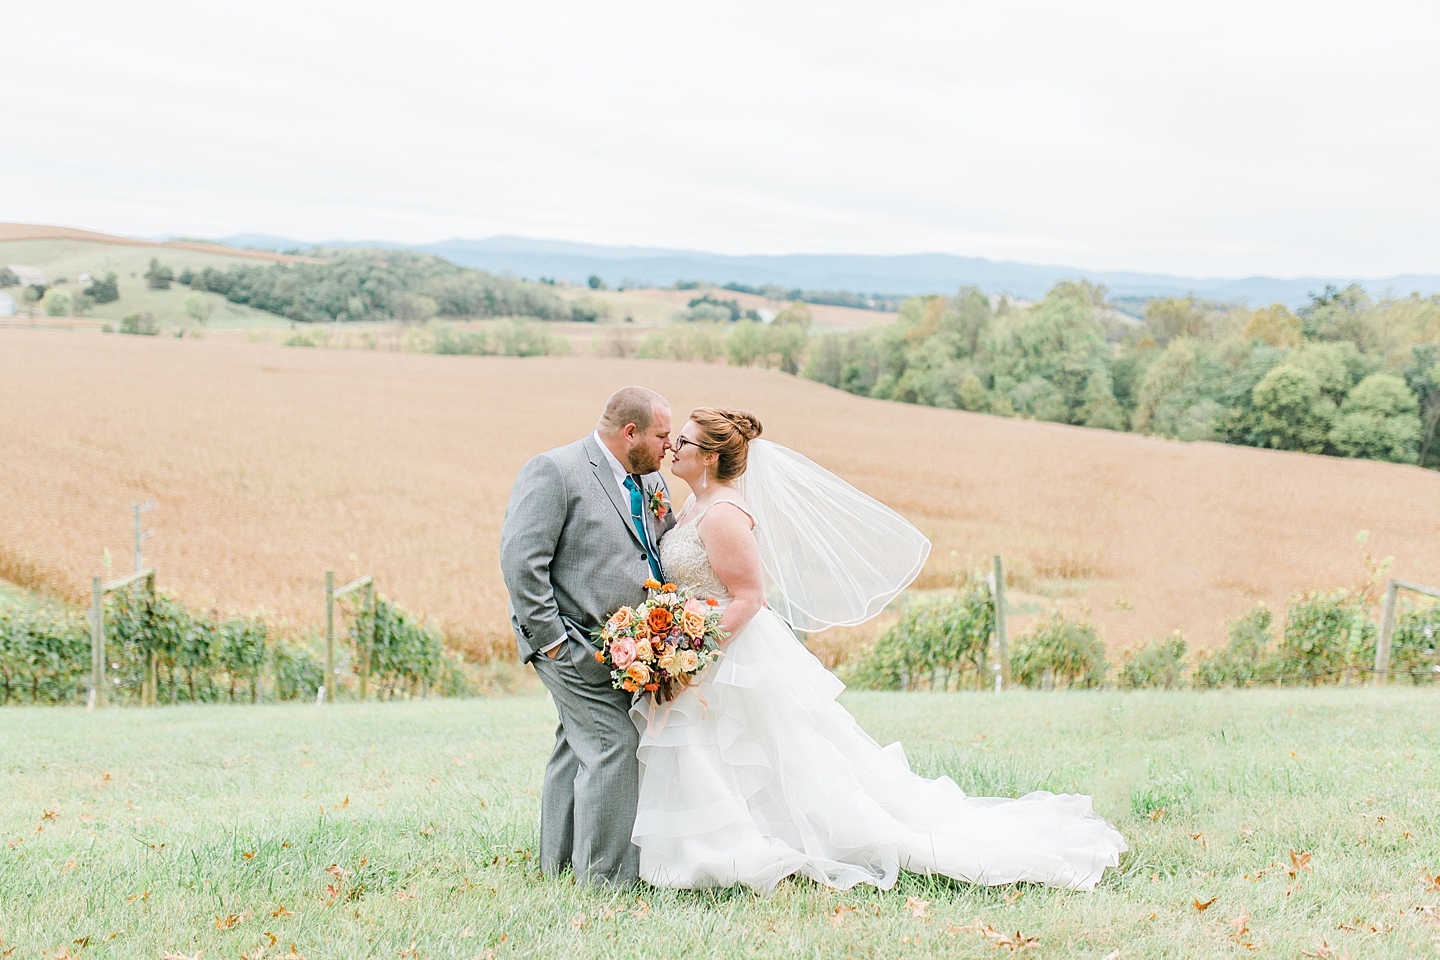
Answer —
(669, 639)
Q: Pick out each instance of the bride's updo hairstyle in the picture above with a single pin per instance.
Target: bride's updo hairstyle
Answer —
(727, 432)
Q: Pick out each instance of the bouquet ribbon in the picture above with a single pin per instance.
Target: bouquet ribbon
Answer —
(653, 730)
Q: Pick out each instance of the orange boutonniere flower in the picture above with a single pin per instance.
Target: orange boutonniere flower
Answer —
(652, 584)
(659, 503)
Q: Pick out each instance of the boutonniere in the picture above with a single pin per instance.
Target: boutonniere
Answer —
(659, 504)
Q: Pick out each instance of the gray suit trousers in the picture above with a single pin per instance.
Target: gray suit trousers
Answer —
(592, 782)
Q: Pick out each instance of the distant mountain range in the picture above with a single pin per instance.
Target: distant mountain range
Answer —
(906, 274)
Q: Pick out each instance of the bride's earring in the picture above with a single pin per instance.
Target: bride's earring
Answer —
(704, 476)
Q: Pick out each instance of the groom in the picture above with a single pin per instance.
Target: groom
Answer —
(579, 542)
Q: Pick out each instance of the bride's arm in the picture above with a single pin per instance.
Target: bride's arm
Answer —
(735, 557)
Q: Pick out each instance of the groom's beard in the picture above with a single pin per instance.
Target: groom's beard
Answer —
(641, 461)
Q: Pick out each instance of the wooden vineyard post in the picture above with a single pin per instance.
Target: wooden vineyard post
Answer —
(1387, 629)
(1002, 644)
(367, 642)
(329, 636)
(97, 643)
(1387, 625)
(362, 644)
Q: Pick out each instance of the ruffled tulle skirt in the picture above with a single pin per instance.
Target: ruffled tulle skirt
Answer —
(760, 774)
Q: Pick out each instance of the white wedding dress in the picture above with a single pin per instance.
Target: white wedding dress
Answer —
(761, 774)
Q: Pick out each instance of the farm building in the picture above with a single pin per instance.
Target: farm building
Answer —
(29, 276)
(7, 305)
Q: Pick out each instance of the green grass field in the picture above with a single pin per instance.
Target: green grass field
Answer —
(408, 830)
(69, 258)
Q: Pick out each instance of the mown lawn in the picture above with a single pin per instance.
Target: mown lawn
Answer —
(408, 830)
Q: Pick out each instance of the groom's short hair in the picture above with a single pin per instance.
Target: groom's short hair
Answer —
(630, 405)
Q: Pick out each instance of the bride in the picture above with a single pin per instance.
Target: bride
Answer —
(757, 773)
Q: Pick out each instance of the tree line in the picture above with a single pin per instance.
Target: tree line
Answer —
(376, 285)
(1345, 375)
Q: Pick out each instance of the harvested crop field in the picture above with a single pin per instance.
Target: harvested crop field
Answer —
(271, 464)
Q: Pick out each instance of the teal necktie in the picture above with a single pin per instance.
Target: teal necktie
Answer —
(637, 517)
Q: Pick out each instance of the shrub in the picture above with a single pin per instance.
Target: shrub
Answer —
(104, 291)
(452, 342)
(1326, 636)
(1059, 653)
(298, 673)
(56, 303)
(159, 276)
(1160, 663)
(140, 324)
(44, 655)
(1415, 645)
(937, 642)
(405, 655)
(703, 342)
(1247, 656)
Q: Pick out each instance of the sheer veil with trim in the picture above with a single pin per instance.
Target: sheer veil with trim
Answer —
(832, 555)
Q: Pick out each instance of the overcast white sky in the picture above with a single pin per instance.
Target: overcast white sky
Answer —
(1216, 138)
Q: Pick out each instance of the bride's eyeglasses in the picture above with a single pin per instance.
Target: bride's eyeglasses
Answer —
(680, 442)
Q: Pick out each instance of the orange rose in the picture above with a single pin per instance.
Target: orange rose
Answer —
(629, 686)
(638, 672)
(693, 624)
(660, 620)
(668, 588)
(621, 619)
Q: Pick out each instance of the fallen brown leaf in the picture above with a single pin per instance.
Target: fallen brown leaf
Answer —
(837, 916)
(579, 921)
(641, 910)
(1202, 907)
(1324, 951)
(1299, 863)
(282, 912)
(918, 908)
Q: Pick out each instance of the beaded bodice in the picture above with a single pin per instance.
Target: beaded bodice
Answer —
(687, 562)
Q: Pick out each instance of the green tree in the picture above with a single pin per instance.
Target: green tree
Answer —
(1044, 357)
(1337, 315)
(1275, 325)
(1290, 412)
(1379, 420)
(1422, 376)
(159, 276)
(8, 277)
(798, 314)
(197, 306)
(595, 282)
(104, 291)
(56, 303)
(1170, 318)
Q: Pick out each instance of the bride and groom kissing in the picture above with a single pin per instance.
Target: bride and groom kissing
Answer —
(757, 773)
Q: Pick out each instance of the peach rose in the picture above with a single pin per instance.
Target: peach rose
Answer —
(622, 651)
(695, 606)
(621, 619)
(644, 650)
(660, 620)
(688, 660)
(666, 662)
(693, 624)
(638, 672)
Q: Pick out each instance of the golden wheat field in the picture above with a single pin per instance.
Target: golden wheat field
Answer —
(272, 464)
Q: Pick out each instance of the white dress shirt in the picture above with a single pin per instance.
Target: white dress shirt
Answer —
(617, 468)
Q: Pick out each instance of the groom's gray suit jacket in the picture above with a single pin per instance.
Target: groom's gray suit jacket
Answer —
(570, 554)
